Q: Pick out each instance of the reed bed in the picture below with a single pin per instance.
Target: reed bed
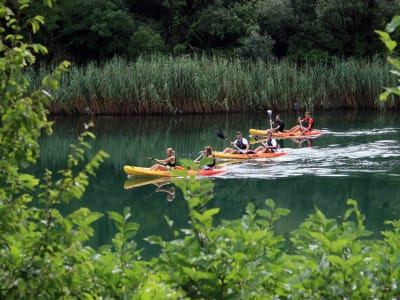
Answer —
(199, 84)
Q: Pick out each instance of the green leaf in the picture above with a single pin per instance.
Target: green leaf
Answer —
(15, 253)
(92, 217)
(320, 237)
(154, 239)
(118, 218)
(337, 261)
(338, 245)
(392, 26)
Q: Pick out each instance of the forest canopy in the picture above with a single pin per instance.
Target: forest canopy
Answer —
(88, 30)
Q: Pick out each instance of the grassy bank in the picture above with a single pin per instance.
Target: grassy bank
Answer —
(166, 85)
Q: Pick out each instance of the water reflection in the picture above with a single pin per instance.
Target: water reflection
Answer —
(160, 184)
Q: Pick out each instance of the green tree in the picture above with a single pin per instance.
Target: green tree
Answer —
(145, 40)
(276, 19)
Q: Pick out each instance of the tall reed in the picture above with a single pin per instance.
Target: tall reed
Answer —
(199, 84)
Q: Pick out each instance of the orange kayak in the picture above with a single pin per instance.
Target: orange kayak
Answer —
(248, 156)
(282, 135)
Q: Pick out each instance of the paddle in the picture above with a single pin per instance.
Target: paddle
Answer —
(219, 134)
(198, 157)
(150, 158)
(297, 108)
(270, 117)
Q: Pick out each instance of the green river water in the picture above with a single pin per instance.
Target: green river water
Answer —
(358, 156)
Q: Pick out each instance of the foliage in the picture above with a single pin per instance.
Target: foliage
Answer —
(44, 255)
(144, 40)
(170, 85)
(99, 29)
(391, 45)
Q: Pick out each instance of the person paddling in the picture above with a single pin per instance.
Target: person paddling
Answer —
(270, 145)
(207, 152)
(278, 125)
(241, 144)
(165, 164)
(306, 124)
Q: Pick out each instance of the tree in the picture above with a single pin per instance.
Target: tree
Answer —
(276, 18)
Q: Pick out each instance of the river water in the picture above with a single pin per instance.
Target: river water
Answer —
(357, 156)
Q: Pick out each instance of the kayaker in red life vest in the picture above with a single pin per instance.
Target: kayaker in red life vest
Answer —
(270, 145)
(241, 144)
(306, 124)
(165, 164)
(207, 152)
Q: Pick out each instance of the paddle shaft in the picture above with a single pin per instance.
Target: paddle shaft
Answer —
(150, 158)
(297, 108)
(270, 117)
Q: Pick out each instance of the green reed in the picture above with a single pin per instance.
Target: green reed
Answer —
(199, 84)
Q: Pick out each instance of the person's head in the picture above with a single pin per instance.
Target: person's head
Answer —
(238, 135)
(307, 114)
(207, 150)
(170, 151)
(277, 117)
(268, 134)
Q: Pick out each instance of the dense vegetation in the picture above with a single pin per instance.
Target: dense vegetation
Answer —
(204, 56)
(44, 255)
(208, 85)
(300, 29)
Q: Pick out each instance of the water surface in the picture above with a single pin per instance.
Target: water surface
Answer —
(356, 157)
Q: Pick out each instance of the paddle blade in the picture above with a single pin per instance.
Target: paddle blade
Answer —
(296, 106)
(269, 113)
(219, 134)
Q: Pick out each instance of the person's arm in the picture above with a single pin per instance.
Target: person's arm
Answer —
(166, 161)
(310, 124)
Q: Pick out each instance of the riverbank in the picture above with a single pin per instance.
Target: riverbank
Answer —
(182, 85)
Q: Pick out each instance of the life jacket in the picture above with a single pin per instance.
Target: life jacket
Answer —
(213, 162)
(269, 143)
(171, 164)
(240, 144)
(306, 122)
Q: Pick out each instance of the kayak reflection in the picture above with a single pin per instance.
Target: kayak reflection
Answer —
(162, 184)
(134, 182)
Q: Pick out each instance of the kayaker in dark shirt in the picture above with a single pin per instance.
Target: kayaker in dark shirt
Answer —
(207, 152)
(165, 164)
(278, 125)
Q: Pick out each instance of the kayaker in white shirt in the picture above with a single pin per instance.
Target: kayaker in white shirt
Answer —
(241, 144)
(270, 145)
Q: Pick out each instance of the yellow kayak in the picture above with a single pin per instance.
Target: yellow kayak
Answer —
(282, 135)
(140, 171)
(248, 156)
